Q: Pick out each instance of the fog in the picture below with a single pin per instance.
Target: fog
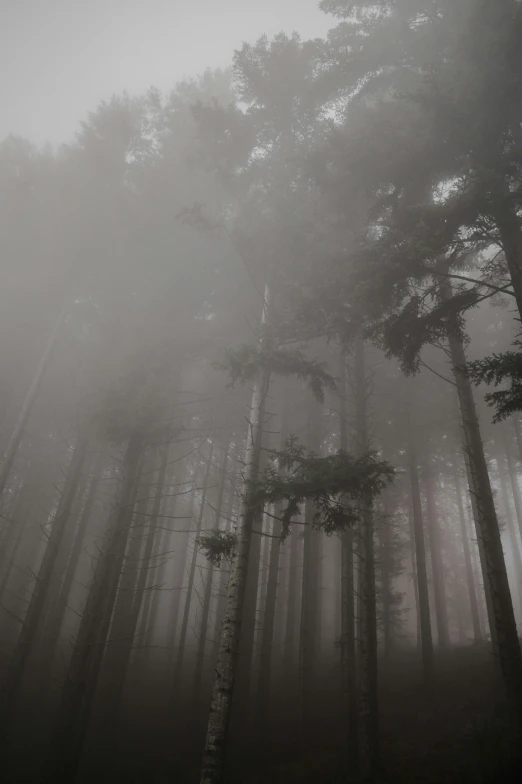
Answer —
(60, 58)
(261, 392)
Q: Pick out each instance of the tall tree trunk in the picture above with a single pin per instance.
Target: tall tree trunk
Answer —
(368, 730)
(19, 428)
(347, 591)
(82, 674)
(224, 574)
(37, 605)
(308, 631)
(441, 607)
(205, 612)
(181, 644)
(292, 597)
(386, 541)
(226, 669)
(515, 489)
(470, 579)
(515, 549)
(510, 656)
(55, 620)
(420, 557)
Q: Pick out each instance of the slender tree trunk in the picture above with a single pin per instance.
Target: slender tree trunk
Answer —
(441, 607)
(348, 662)
(205, 612)
(386, 584)
(19, 428)
(510, 656)
(82, 674)
(368, 730)
(420, 557)
(54, 623)
(291, 607)
(516, 426)
(224, 574)
(309, 594)
(470, 579)
(515, 489)
(178, 668)
(515, 549)
(37, 604)
(226, 669)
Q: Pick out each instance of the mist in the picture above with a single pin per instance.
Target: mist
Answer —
(260, 399)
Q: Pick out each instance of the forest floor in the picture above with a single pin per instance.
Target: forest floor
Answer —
(452, 733)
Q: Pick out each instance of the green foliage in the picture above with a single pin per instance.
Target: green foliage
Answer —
(217, 545)
(505, 368)
(336, 485)
(245, 362)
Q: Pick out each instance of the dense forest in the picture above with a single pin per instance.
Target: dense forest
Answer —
(261, 417)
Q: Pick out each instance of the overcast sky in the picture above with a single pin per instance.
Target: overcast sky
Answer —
(60, 58)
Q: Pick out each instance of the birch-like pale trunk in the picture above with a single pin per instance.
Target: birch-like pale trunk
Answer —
(488, 531)
(226, 667)
(470, 578)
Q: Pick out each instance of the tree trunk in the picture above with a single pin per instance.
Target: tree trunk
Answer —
(515, 489)
(441, 607)
(495, 576)
(515, 549)
(37, 604)
(54, 623)
(368, 730)
(420, 557)
(470, 579)
(82, 674)
(181, 643)
(19, 428)
(226, 669)
(347, 591)
(309, 593)
(205, 612)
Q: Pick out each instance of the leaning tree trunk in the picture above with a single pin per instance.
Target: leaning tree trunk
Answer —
(509, 653)
(368, 729)
(19, 428)
(226, 668)
(82, 673)
(470, 579)
(441, 607)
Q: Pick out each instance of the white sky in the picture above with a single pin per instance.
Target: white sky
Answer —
(60, 58)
